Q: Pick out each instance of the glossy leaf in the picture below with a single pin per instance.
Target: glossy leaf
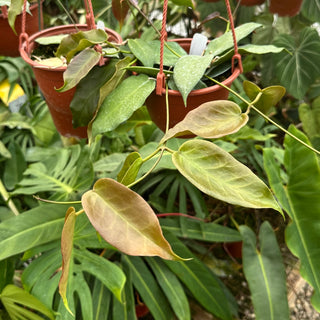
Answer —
(115, 210)
(66, 251)
(30, 229)
(86, 98)
(79, 41)
(202, 283)
(265, 273)
(188, 71)
(130, 169)
(148, 288)
(120, 10)
(269, 98)
(17, 303)
(79, 68)
(210, 120)
(225, 42)
(300, 197)
(216, 173)
(120, 104)
(171, 287)
(298, 68)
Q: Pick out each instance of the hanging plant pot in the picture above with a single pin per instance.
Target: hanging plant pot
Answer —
(285, 7)
(9, 41)
(250, 3)
(51, 79)
(156, 104)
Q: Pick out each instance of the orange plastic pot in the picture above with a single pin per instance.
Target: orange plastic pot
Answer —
(285, 7)
(9, 41)
(250, 3)
(50, 79)
(156, 104)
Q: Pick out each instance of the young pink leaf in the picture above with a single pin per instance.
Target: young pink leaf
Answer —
(125, 220)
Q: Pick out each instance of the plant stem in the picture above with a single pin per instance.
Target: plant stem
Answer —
(56, 202)
(151, 169)
(251, 106)
(7, 199)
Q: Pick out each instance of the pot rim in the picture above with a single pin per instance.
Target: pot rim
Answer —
(55, 30)
(210, 89)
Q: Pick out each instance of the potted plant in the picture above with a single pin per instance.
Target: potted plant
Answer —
(11, 25)
(49, 75)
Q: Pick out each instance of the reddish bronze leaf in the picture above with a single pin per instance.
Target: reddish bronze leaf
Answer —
(125, 220)
(120, 10)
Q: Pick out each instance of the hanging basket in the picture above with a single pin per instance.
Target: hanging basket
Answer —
(9, 41)
(285, 7)
(50, 79)
(156, 102)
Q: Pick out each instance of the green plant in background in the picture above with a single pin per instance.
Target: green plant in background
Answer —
(96, 277)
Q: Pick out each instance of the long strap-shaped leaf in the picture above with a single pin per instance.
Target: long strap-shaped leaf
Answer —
(265, 273)
(301, 200)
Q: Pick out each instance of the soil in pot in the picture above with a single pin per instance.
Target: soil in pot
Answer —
(9, 41)
(50, 79)
(156, 104)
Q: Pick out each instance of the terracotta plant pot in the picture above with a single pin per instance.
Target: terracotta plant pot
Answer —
(250, 3)
(49, 79)
(9, 41)
(234, 249)
(156, 104)
(285, 7)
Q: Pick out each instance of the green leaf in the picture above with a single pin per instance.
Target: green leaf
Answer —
(45, 41)
(79, 41)
(67, 171)
(300, 197)
(17, 302)
(106, 271)
(149, 289)
(15, 9)
(87, 95)
(188, 71)
(202, 283)
(269, 98)
(120, 104)
(32, 228)
(14, 166)
(114, 209)
(193, 229)
(66, 251)
(142, 51)
(265, 273)
(79, 68)
(187, 3)
(216, 173)
(225, 42)
(210, 120)
(311, 10)
(130, 169)
(171, 287)
(299, 68)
